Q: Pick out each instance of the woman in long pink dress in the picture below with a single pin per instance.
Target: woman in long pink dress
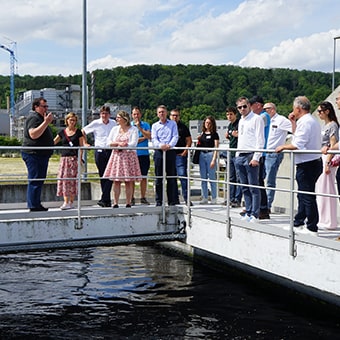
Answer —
(123, 165)
(327, 206)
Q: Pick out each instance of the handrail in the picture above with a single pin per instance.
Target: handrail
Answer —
(291, 190)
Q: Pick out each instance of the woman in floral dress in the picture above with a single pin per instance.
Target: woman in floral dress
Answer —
(123, 165)
(68, 167)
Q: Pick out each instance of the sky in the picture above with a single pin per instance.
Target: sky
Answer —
(47, 36)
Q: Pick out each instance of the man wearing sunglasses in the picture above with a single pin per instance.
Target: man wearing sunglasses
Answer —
(250, 138)
(37, 134)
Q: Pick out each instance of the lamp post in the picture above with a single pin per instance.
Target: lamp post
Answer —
(334, 48)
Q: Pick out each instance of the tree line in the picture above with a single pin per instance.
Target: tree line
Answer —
(198, 90)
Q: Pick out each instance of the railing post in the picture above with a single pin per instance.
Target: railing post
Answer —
(164, 180)
(292, 245)
(228, 220)
(79, 175)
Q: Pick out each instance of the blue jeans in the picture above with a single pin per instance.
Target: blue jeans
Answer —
(249, 175)
(181, 167)
(208, 173)
(36, 168)
(306, 176)
(235, 190)
(272, 163)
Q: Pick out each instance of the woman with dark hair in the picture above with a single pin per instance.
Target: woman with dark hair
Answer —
(68, 168)
(207, 161)
(327, 206)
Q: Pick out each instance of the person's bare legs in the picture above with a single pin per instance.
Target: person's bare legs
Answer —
(128, 191)
(116, 192)
(143, 185)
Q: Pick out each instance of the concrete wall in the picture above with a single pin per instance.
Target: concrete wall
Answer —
(16, 193)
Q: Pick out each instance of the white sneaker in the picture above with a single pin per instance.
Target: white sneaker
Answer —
(306, 231)
(66, 206)
(204, 201)
(213, 201)
(244, 218)
(253, 219)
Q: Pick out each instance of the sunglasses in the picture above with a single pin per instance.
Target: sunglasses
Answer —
(242, 107)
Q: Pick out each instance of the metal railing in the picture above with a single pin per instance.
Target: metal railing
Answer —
(222, 180)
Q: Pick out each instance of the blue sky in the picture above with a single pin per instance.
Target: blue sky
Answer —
(295, 34)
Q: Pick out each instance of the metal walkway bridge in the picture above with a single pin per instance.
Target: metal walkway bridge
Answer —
(89, 226)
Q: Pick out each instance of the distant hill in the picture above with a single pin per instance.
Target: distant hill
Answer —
(197, 90)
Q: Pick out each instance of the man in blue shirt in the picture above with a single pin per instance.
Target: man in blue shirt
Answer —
(144, 134)
(164, 136)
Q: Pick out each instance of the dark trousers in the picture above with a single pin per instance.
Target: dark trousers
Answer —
(36, 169)
(338, 180)
(262, 176)
(101, 158)
(170, 170)
(307, 174)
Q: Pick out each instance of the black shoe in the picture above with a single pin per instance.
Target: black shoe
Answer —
(143, 200)
(133, 201)
(115, 206)
(104, 204)
(264, 215)
(128, 206)
(41, 208)
(158, 204)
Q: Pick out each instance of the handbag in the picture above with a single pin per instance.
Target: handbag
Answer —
(196, 156)
(335, 161)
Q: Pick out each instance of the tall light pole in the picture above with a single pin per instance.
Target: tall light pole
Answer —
(334, 48)
(84, 80)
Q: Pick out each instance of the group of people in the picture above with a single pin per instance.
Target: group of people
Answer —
(313, 173)
(254, 125)
(116, 157)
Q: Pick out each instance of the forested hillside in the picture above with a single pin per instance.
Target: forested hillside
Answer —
(196, 89)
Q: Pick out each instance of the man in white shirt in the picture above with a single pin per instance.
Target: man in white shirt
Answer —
(101, 129)
(306, 136)
(250, 138)
(279, 128)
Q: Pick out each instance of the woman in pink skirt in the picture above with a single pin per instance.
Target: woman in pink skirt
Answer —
(68, 167)
(123, 165)
(327, 206)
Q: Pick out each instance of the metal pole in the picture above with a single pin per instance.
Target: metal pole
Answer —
(84, 82)
(334, 49)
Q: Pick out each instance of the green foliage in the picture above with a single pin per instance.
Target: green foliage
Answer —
(197, 90)
(9, 141)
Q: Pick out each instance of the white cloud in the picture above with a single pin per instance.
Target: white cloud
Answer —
(311, 53)
(261, 33)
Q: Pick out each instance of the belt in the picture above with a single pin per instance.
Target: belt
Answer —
(243, 154)
(206, 151)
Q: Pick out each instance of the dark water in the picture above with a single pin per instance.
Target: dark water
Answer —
(136, 292)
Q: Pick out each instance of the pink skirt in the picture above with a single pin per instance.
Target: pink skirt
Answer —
(68, 168)
(123, 166)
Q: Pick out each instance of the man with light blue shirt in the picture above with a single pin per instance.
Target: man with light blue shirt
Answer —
(280, 126)
(144, 134)
(306, 136)
(164, 136)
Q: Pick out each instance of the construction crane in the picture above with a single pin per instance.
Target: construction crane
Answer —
(12, 66)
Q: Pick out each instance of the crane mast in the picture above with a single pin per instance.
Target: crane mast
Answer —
(12, 67)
